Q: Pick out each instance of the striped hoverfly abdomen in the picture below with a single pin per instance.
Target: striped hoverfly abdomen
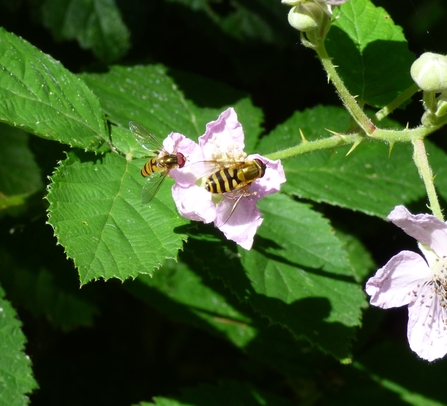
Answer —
(237, 176)
(232, 183)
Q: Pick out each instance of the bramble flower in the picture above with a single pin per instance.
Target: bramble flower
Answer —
(421, 283)
(237, 217)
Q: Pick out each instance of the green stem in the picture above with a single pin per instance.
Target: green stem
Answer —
(390, 107)
(348, 100)
(340, 140)
(425, 172)
(407, 135)
(309, 146)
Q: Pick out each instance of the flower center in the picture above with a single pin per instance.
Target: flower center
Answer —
(439, 268)
(226, 152)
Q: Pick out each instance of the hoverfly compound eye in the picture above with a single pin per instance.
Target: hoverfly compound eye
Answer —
(181, 160)
(262, 166)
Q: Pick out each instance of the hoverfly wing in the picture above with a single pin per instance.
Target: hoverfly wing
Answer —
(204, 169)
(145, 138)
(153, 184)
(227, 208)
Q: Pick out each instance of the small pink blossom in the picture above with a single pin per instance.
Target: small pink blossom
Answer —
(223, 141)
(421, 283)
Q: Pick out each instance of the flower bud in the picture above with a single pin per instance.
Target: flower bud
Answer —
(429, 72)
(291, 2)
(306, 17)
(442, 104)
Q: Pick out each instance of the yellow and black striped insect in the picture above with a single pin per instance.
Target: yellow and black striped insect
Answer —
(158, 167)
(232, 181)
(235, 177)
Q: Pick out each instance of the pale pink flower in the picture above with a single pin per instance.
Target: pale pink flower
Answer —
(410, 279)
(223, 141)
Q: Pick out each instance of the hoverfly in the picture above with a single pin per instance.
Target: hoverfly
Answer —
(232, 181)
(235, 177)
(158, 167)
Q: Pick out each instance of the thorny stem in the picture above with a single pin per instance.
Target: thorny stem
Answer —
(370, 131)
(339, 140)
(348, 100)
(425, 172)
(309, 146)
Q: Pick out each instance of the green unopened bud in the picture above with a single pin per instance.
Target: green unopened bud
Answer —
(442, 104)
(306, 17)
(429, 72)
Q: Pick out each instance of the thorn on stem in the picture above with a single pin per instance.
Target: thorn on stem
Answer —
(302, 136)
(391, 149)
(354, 146)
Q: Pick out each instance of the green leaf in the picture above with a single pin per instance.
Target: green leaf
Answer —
(419, 383)
(162, 402)
(377, 51)
(226, 393)
(97, 215)
(19, 173)
(359, 257)
(194, 298)
(145, 94)
(95, 24)
(41, 96)
(15, 374)
(46, 293)
(148, 95)
(259, 20)
(297, 274)
(368, 179)
(189, 294)
(301, 278)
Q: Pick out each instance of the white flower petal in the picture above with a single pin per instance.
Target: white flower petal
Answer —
(425, 228)
(393, 284)
(271, 181)
(241, 227)
(225, 134)
(427, 330)
(193, 153)
(194, 203)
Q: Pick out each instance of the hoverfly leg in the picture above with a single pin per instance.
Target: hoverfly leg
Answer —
(226, 209)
